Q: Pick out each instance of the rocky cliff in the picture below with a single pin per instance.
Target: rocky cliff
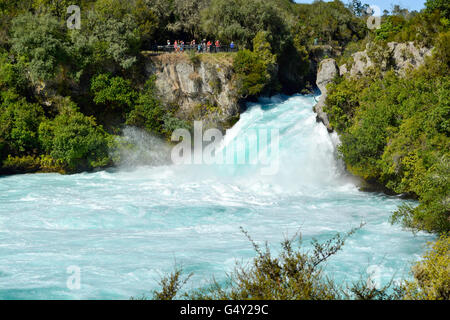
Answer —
(199, 87)
(400, 57)
(328, 70)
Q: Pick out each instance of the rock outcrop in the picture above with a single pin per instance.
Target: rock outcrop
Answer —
(407, 56)
(401, 57)
(328, 70)
(202, 88)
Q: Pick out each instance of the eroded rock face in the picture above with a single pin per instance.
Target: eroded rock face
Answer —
(194, 85)
(361, 64)
(328, 70)
(401, 57)
(407, 56)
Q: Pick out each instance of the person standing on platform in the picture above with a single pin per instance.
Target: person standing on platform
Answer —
(217, 46)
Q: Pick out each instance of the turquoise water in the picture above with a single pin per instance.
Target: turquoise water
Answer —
(125, 228)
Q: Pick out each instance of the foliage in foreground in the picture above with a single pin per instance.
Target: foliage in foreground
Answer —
(432, 274)
(298, 275)
(293, 274)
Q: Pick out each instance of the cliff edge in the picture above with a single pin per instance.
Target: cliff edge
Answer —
(200, 87)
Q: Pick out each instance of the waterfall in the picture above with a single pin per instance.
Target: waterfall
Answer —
(124, 228)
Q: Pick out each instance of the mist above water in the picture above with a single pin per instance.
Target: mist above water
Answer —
(141, 148)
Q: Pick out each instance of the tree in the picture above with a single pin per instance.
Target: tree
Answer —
(357, 7)
(146, 20)
(332, 22)
(251, 72)
(443, 6)
(57, 8)
(106, 40)
(12, 73)
(42, 40)
(187, 17)
(241, 20)
(263, 49)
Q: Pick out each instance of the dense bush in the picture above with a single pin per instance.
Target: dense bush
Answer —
(105, 42)
(147, 112)
(76, 140)
(41, 39)
(256, 70)
(432, 274)
(420, 28)
(331, 23)
(251, 72)
(442, 6)
(19, 122)
(395, 132)
(113, 92)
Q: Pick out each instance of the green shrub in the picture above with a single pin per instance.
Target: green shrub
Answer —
(76, 140)
(30, 164)
(172, 123)
(114, 92)
(147, 112)
(105, 41)
(251, 73)
(390, 28)
(241, 20)
(19, 122)
(442, 6)
(432, 274)
(21, 164)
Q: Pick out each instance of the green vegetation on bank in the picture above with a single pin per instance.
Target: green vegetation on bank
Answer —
(65, 94)
(395, 130)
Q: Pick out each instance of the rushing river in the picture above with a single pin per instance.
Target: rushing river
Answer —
(124, 228)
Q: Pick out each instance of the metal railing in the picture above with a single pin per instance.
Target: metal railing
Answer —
(196, 48)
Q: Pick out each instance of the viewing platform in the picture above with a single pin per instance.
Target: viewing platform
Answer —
(160, 49)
